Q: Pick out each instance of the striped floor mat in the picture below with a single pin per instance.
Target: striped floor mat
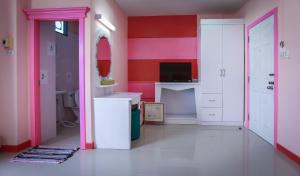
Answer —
(42, 154)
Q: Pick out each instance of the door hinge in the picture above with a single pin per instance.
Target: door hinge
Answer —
(248, 79)
(248, 117)
(248, 39)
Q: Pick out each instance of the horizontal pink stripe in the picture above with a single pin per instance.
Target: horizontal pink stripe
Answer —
(147, 88)
(162, 48)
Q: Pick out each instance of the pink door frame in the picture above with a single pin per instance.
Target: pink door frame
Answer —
(274, 13)
(35, 16)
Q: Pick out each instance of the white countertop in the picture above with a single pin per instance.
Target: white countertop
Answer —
(119, 96)
(178, 83)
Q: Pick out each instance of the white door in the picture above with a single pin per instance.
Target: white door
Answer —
(211, 58)
(261, 50)
(233, 76)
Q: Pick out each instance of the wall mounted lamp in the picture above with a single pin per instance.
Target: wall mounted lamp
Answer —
(105, 22)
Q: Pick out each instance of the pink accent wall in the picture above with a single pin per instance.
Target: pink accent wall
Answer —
(162, 48)
(288, 83)
(147, 87)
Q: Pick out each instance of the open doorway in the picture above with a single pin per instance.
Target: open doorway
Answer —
(35, 16)
(59, 83)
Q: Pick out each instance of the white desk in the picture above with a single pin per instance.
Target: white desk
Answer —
(112, 120)
(179, 86)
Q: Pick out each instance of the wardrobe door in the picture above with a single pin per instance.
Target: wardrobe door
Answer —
(233, 79)
(211, 59)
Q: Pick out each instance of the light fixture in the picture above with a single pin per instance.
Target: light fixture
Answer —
(105, 22)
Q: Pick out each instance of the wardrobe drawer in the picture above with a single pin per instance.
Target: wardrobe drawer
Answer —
(210, 100)
(211, 114)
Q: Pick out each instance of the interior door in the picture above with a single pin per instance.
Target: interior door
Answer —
(261, 51)
(211, 58)
(233, 76)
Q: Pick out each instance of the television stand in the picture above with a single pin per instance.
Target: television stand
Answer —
(179, 86)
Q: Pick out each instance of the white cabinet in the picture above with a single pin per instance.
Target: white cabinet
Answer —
(112, 117)
(222, 72)
(211, 58)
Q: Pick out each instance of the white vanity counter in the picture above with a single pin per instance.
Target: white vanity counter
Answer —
(112, 117)
(122, 96)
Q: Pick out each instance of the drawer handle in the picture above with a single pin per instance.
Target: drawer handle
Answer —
(212, 114)
(211, 100)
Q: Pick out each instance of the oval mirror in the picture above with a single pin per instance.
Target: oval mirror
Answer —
(103, 57)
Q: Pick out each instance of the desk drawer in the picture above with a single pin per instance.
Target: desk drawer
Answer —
(210, 100)
(211, 114)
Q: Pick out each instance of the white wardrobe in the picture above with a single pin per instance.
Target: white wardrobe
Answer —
(221, 72)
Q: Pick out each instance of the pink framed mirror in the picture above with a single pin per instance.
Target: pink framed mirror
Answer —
(103, 57)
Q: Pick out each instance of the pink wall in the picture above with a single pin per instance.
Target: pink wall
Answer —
(289, 82)
(13, 74)
(289, 85)
(8, 76)
(162, 48)
(111, 11)
(118, 40)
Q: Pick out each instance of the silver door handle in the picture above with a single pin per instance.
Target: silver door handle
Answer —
(224, 72)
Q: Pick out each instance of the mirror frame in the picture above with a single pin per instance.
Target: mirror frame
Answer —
(99, 34)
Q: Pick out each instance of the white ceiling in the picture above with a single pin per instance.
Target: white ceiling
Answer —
(178, 7)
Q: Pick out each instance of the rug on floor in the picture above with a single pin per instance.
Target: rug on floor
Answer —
(43, 154)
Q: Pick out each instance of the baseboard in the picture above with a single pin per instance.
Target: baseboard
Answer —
(221, 123)
(89, 146)
(15, 148)
(288, 153)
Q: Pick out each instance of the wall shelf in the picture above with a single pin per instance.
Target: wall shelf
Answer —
(107, 86)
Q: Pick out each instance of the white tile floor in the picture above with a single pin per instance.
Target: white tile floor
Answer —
(171, 150)
(66, 137)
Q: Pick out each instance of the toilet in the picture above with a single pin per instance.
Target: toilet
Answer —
(76, 108)
(71, 100)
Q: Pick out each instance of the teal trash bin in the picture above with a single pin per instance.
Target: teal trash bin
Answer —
(135, 124)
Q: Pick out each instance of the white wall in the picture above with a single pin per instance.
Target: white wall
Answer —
(67, 58)
(48, 87)
(67, 62)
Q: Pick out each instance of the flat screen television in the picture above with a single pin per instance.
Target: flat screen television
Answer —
(175, 72)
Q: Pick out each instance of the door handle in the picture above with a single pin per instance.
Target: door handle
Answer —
(224, 72)
(271, 82)
(270, 87)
